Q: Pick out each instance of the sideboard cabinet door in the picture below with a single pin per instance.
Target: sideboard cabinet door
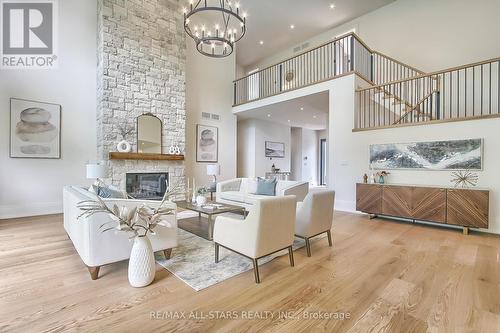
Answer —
(429, 204)
(369, 198)
(397, 201)
(468, 208)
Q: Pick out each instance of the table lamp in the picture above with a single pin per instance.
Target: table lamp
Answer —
(213, 170)
(97, 171)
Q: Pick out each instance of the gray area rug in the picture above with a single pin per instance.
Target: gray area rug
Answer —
(192, 261)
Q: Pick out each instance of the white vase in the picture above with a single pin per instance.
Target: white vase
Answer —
(124, 146)
(141, 266)
(201, 200)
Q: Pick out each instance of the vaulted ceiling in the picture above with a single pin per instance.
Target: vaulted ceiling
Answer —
(269, 21)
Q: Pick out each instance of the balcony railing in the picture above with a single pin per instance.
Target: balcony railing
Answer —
(461, 93)
(344, 55)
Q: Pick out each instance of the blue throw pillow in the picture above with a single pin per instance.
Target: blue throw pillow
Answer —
(266, 186)
(107, 193)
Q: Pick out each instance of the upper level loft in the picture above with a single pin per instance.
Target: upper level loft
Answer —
(395, 94)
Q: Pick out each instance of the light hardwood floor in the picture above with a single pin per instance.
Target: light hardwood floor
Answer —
(388, 276)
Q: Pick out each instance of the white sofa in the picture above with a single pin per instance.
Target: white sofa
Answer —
(97, 248)
(241, 191)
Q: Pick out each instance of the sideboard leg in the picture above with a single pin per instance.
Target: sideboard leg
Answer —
(466, 230)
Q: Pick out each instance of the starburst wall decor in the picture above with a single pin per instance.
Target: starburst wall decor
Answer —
(464, 178)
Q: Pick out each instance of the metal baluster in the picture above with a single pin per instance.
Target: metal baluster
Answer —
(490, 86)
(481, 90)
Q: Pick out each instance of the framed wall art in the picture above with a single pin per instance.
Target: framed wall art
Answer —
(35, 129)
(275, 149)
(464, 154)
(207, 144)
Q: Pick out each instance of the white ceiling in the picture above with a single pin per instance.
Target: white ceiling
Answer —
(313, 116)
(270, 20)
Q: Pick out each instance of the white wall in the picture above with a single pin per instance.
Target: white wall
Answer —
(246, 149)
(427, 34)
(350, 158)
(34, 186)
(310, 156)
(296, 153)
(209, 89)
(261, 131)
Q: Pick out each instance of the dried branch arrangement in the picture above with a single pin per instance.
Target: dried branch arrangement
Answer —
(139, 221)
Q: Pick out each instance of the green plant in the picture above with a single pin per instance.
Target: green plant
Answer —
(202, 190)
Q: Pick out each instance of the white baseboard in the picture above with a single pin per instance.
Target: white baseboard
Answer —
(31, 209)
(345, 206)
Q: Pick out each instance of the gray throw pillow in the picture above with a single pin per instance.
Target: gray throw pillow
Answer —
(266, 186)
(107, 193)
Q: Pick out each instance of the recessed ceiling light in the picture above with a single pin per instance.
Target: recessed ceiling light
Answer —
(261, 42)
(315, 117)
(292, 26)
(269, 116)
(288, 120)
(301, 109)
(332, 6)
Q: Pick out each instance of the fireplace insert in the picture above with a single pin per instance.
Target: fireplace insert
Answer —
(150, 186)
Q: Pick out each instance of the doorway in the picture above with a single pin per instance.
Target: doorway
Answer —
(322, 162)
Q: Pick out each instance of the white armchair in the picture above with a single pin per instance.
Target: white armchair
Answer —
(315, 216)
(268, 228)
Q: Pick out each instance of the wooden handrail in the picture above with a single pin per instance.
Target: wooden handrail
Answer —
(443, 71)
(325, 44)
(399, 62)
(298, 55)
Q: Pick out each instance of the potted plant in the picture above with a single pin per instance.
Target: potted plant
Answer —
(139, 222)
(381, 176)
(201, 198)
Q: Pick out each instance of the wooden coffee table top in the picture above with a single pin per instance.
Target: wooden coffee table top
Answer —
(199, 209)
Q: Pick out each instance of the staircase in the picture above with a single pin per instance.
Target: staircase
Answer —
(461, 93)
(397, 95)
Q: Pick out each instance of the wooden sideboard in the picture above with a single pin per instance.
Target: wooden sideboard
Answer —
(461, 207)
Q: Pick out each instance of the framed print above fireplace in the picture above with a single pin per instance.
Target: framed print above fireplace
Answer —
(207, 144)
(35, 129)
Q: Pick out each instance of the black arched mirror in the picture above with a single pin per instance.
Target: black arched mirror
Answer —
(149, 134)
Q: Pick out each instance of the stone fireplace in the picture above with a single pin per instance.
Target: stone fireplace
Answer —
(141, 69)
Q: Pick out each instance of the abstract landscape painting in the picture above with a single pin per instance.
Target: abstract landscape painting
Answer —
(35, 129)
(437, 155)
(275, 149)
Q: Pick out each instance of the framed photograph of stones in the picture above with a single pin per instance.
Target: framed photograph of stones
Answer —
(207, 144)
(35, 129)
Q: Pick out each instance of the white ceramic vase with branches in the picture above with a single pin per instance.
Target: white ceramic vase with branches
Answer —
(139, 222)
